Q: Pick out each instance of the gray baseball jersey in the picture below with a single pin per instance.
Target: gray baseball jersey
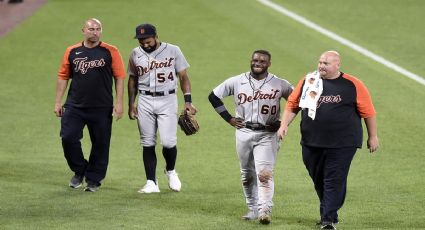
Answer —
(256, 101)
(157, 73)
(157, 70)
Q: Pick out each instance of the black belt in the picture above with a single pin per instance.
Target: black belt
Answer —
(255, 126)
(156, 94)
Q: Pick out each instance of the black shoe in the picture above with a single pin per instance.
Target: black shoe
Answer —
(319, 222)
(92, 186)
(76, 181)
(327, 225)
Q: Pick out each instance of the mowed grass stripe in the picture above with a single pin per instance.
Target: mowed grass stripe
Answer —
(344, 41)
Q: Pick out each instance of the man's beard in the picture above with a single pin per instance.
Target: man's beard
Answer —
(149, 49)
(256, 72)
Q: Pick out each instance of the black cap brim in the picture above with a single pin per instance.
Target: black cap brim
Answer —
(143, 36)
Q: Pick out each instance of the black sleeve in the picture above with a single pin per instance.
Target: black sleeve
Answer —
(219, 107)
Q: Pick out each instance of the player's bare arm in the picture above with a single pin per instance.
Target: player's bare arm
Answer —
(186, 89)
(118, 107)
(132, 93)
(60, 91)
(287, 117)
(372, 140)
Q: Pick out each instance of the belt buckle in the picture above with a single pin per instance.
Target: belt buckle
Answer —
(153, 94)
(254, 126)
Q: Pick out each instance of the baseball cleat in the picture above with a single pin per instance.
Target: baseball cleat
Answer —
(250, 215)
(265, 219)
(150, 187)
(265, 215)
(173, 180)
(76, 181)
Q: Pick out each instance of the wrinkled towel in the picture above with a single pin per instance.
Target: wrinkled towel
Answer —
(312, 89)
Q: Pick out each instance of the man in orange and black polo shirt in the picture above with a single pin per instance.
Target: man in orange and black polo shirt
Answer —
(93, 66)
(331, 129)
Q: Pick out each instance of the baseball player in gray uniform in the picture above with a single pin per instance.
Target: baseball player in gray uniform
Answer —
(154, 68)
(257, 97)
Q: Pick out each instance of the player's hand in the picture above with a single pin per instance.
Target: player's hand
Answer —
(118, 111)
(282, 132)
(132, 112)
(58, 110)
(237, 122)
(372, 144)
(190, 108)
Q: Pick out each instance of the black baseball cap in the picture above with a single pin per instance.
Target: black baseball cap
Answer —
(145, 31)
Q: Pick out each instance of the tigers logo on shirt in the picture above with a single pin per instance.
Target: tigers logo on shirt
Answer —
(329, 99)
(82, 65)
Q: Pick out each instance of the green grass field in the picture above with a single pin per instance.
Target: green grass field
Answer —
(386, 190)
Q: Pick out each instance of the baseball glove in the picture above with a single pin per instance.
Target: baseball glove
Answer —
(188, 123)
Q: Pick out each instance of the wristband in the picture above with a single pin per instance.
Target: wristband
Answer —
(188, 98)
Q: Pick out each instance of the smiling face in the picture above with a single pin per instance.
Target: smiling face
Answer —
(329, 64)
(259, 64)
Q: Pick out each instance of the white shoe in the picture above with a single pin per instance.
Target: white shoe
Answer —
(173, 180)
(150, 187)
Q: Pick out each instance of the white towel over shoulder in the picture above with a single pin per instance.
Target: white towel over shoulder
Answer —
(313, 88)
